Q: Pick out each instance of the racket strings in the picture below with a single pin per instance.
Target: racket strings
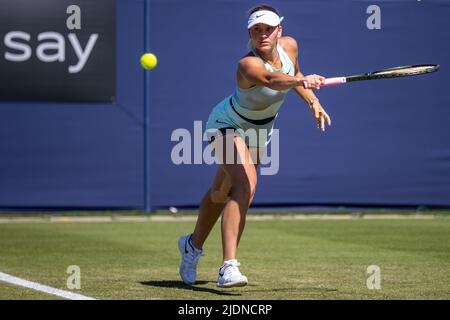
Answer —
(406, 70)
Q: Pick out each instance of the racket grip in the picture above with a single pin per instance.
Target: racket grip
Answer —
(333, 81)
(329, 82)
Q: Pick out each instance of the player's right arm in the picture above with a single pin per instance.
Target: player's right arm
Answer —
(252, 73)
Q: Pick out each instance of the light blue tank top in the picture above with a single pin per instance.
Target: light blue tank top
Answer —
(264, 98)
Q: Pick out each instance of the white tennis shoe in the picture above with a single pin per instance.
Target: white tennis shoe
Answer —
(230, 276)
(189, 259)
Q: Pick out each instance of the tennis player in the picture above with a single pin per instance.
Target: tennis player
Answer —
(264, 76)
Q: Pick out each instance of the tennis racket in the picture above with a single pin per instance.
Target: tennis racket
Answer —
(397, 72)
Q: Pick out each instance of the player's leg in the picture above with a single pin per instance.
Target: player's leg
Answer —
(191, 245)
(213, 203)
(211, 207)
(243, 179)
(243, 185)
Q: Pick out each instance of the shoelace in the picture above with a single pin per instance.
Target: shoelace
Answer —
(231, 269)
(192, 257)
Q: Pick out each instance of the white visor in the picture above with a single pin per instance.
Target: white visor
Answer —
(264, 16)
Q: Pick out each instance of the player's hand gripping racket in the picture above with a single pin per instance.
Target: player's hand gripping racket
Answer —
(382, 74)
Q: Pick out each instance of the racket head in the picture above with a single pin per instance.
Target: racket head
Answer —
(403, 71)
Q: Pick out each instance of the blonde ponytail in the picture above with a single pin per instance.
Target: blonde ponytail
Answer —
(250, 46)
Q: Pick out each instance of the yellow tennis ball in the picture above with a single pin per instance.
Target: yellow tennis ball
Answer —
(149, 61)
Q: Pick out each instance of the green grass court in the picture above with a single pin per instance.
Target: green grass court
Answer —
(283, 259)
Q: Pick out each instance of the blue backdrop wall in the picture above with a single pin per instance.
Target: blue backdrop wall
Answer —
(389, 143)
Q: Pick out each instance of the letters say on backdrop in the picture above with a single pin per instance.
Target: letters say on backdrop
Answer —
(50, 44)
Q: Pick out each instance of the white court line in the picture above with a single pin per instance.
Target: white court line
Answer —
(40, 287)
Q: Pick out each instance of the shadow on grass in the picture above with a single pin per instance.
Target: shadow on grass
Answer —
(182, 285)
(310, 289)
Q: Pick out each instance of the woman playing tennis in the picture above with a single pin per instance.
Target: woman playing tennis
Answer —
(264, 76)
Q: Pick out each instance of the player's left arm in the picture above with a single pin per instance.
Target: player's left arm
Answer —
(319, 113)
